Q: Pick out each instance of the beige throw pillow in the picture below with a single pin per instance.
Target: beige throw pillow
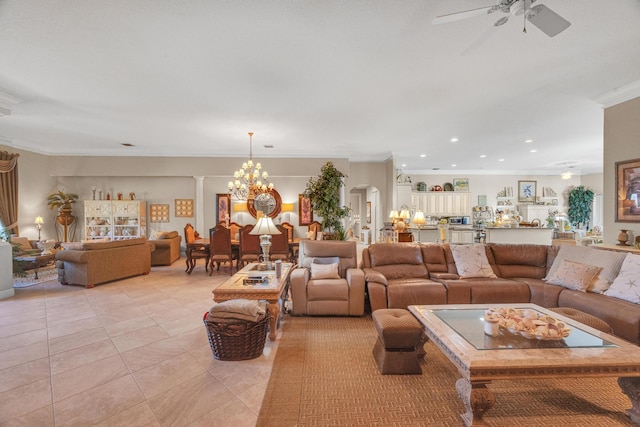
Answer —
(574, 275)
(471, 261)
(627, 285)
(23, 242)
(324, 271)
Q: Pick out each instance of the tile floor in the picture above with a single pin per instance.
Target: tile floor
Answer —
(128, 353)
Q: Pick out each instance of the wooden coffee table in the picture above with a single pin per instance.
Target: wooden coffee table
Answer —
(271, 290)
(35, 262)
(457, 330)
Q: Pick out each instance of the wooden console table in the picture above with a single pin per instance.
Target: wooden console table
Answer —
(617, 248)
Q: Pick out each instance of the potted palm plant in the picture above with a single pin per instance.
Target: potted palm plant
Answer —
(63, 201)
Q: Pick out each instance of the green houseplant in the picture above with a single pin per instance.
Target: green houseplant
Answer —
(324, 194)
(580, 202)
(61, 200)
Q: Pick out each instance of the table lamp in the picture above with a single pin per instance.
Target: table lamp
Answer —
(404, 215)
(265, 228)
(39, 221)
(419, 219)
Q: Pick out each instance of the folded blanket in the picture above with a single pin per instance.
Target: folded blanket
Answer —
(223, 317)
(241, 306)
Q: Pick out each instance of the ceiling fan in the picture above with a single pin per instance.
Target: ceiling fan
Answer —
(540, 15)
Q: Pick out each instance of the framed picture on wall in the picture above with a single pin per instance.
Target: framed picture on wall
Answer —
(460, 184)
(223, 207)
(305, 212)
(368, 212)
(527, 191)
(628, 191)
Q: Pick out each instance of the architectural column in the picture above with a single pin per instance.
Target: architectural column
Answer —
(198, 209)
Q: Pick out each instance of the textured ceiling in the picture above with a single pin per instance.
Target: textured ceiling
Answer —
(365, 80)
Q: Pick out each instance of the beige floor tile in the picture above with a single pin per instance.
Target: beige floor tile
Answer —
(23, 400)
(166, 314)
(80, 356)
(190, 401)
(169, 373)
(86, 377)
(139, 338)
(76, 340)
(20, 340)
(194, 339)
(252, 396)
(182, 325)
(20, 355)
(130, 325)
(20, 328)
(13, 306)
(151, 354)
(41, 418)
(232, 413)
(23, 374)
(37, 316)
(99, 403)
(73, 327)
(139, 415)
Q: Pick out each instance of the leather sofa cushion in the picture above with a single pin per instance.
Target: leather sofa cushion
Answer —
(406, 292)
(394, 254)
(519, 260)
(328, 289)
(434, 258)
(486, 290)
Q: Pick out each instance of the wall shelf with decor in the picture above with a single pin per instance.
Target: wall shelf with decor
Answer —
(115, 219)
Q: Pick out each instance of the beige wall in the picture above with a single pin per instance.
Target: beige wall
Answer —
(621, 142)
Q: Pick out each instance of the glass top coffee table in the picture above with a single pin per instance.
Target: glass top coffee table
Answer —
(458, 331)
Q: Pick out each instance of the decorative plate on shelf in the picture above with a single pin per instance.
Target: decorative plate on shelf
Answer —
(448, 186)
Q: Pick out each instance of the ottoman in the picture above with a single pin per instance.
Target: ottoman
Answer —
(399, 337)
(584, 318)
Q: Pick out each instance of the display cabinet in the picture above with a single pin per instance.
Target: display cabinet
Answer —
(115, 219)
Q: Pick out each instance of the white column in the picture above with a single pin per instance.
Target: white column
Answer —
(199, 205)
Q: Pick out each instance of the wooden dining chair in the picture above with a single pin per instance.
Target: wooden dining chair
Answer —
(315, 227)
(280, 245)
(195, 251)
(220, 248)
(290, 231)
(250, 249)
(234, 230)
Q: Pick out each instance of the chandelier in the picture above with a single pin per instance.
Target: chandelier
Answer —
(250, 180)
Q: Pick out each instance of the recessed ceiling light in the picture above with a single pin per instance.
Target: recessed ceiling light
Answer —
(453, 166)
(482, 156)
(454, 140)
(528, 141)
(126, 144)
(501, 160)
(404, 165)
(423, 155)
(533, 151)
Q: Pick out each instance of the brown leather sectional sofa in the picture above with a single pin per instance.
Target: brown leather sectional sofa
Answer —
(401, 274)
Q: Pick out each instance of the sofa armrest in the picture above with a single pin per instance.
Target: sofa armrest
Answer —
(79, 257)
(355, 279)
(299, 279)
(371, 275)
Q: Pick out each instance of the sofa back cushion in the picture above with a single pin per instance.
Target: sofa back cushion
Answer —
(328, 251)
(435, 258)
(519, 260)
(91, 246)
(396, 260)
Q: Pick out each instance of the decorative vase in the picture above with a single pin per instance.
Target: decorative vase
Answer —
(623, 238)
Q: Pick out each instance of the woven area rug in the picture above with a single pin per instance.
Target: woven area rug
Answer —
(45, 274)
(324, 374)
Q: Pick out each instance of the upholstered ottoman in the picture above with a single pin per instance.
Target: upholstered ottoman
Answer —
(584, 318)
(399, 337)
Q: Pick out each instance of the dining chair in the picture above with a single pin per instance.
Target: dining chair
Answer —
(315, 227)
(195, 251)
(293, 253)
(250, 249)
(234, 229)
(220, 248)
(280, 245)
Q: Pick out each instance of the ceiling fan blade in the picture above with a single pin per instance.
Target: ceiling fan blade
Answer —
(547, 20)
(462, 15)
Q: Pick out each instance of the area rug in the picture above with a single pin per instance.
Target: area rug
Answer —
(324, 374)
(45, 274)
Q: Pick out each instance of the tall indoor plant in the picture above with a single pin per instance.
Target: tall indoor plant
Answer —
(324, 194)
(580, 203)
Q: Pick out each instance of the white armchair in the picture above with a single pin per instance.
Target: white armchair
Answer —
(327, 280)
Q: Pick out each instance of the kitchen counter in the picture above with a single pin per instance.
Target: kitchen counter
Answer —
(532, 235)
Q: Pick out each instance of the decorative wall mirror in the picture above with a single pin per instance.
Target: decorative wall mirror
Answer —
(269, 203)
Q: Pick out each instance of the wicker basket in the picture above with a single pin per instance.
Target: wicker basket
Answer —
(237, 339)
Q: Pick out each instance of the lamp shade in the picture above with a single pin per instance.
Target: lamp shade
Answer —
(39, 220)
(404, 214)
(393, 214)
(419, 218)
(264, 226)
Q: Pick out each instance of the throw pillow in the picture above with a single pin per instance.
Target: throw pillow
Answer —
(153, 235)
(77, 246)
(319, 235)
(23, 242)
(324, 271)
(574, 275)
(471, 261)
(627, 285)
(311, 235)
(610, 262)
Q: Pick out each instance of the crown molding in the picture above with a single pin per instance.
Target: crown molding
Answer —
(619, 95)
(7, 102)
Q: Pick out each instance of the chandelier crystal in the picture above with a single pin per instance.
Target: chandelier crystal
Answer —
(250, 180)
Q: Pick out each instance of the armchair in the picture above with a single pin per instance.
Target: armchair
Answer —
(323, 290)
